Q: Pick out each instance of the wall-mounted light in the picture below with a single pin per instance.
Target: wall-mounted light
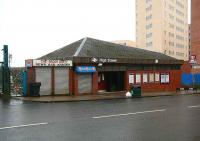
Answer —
(156, 61)
(100, 64)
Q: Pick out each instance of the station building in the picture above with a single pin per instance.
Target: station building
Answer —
(91, 66)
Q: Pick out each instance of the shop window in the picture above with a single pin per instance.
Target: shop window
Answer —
(151, 77)
(138, 78)
(131, 79)
(145, 78)
(164, 78)
(157, 77)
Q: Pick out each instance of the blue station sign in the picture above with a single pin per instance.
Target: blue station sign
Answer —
(85, 69)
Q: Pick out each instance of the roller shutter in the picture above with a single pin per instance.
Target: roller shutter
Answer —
(43, 75)
(61, 80)
(84, 83)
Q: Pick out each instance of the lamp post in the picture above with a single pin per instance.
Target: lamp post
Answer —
(6, 71)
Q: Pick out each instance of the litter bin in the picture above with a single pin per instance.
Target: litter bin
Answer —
(135, 91)
(35, 89)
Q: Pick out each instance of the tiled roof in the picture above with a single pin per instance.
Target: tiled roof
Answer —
(89, 47)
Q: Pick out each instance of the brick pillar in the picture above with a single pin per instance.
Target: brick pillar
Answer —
(52, 80)
(71, 81)
(95, 83)
(75, 83)
(30, 78)
(126, 85)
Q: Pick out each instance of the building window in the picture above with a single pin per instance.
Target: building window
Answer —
(180, 54)
(171, 34)
(179, 13)
(157, 77)
(138, 78)
(149, 26)
(149, 35)
(131, 78)
(179, 29)
(164, 78)
(179, 4)
(171, 52)
(179, 45)
(151, 77)
(179, 37)
(171, 25)
(171, 7)
(171, 16)
(147, 1)
(149, 44)
(149, 17)
(145, 78)
(179, 21)
(149, 8)
(171, 43)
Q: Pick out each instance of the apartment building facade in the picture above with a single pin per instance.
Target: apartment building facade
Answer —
(162, 26)
(125, 43)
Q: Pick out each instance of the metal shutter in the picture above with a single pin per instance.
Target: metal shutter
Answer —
(43, 75)
(84, 83)
(61, 80)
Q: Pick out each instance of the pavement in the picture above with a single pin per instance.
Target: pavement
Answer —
(101, 96)
(166, 118)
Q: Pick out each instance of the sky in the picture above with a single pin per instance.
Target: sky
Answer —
(33, 28)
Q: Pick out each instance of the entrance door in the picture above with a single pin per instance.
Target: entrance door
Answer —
(61, 80)
(112, 81)
(43, 75)
(101, 82)
(84, 83)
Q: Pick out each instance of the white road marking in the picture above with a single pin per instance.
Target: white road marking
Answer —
(136, 113)
(196, 106)
(25, 125)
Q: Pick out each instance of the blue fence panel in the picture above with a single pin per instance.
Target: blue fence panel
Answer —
(187, 79)
(197, 79)
(24, 83)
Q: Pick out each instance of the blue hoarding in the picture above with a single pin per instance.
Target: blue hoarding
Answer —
(24, 83)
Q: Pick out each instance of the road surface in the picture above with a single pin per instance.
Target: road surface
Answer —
(169, 118)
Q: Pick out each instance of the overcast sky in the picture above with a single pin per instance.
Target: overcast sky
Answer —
(32, 28)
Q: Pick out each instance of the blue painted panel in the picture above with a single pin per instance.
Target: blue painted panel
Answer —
(187, 79)
(197, 78)
(24, 74)
(85, 69)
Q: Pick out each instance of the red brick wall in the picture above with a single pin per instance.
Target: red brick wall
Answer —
(186, 67)
(75, 83)
(195, 30)
(175, 81)
(52, 81)
(126, 85)
(195, 17)
(95, 83)
(30, 78)
(71, 82)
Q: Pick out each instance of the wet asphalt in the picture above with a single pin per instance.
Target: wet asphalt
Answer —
(168, 118)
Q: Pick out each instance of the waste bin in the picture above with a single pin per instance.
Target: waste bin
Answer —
(135, 91)
(35, 89)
